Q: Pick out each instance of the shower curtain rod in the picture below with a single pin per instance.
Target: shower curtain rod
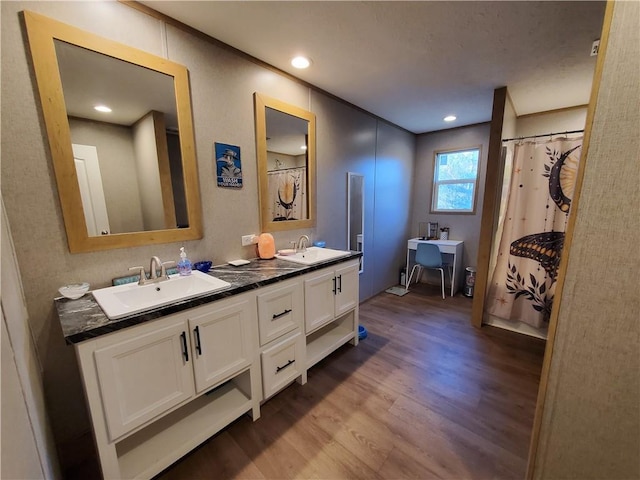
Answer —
(544, 135)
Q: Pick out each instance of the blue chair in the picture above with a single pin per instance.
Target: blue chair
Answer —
(428, 256)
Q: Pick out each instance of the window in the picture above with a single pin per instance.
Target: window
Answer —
(455, 178)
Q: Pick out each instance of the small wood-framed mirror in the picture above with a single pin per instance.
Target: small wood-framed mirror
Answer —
(286, 151)
(128, 177)
(355, 214)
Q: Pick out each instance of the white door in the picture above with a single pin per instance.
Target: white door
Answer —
(91, 191)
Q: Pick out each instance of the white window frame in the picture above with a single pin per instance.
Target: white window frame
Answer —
(437, 183)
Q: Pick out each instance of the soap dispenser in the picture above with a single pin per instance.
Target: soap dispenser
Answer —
(184, 265)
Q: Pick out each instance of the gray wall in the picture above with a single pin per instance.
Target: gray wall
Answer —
(591, 423)
(464, 227)
(222, 87)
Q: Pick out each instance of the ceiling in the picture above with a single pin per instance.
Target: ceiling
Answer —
(413, 63)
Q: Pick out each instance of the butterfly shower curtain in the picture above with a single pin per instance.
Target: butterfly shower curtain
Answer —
(287, 194)
(542, 183)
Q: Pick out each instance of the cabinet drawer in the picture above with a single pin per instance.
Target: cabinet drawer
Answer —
(279, 311)
(281, 364)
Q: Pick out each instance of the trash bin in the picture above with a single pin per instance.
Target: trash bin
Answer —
(403, 276)
(469, 281)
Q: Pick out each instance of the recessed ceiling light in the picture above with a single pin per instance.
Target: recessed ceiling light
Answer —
(102, 108)
(450, 118)
(300, 62)
(303, 147)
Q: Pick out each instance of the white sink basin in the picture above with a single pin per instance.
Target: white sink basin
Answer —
(314, 255)
(123, 300)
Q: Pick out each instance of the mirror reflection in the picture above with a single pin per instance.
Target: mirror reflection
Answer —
(287, 166)
(124, 131)
(355, 214)
(285, 138)
(121, 136)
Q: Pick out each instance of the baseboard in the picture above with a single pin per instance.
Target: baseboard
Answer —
(515, 326)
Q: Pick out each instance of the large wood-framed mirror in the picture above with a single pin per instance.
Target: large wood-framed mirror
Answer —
(286, 152)
(127, 177)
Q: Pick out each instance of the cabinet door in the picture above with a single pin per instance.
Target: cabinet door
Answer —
(143, 377)
(347, 279)
(279, 311)
(221, 341)
(318, 300)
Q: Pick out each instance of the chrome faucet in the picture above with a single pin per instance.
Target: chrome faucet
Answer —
(153, 268)
(303, 243)
(153, 271)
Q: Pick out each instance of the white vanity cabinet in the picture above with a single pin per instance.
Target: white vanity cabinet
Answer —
(282, 344)
(331, 309)
(157, 390)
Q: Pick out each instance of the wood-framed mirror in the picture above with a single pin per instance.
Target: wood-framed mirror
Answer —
(286, 153)
(127, 177)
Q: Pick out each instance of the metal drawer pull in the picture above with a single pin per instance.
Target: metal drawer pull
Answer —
(278, 315)
(185, 352)
(340, 283)
(198, 345)
(334, 285)
(278, 369)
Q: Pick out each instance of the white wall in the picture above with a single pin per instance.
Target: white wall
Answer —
(27, 440)
(550, 122)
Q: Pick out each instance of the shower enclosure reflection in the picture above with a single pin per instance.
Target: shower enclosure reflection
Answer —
(285, 145)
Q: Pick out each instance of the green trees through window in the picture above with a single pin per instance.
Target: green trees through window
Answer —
(454, 181)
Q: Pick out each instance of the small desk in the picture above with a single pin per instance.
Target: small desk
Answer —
(450, 247)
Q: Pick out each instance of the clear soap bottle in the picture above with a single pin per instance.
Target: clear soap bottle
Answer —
(184, 265)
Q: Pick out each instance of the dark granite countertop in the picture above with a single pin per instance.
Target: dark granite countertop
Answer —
(83, 319)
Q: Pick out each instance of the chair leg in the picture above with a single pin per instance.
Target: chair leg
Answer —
(442, 281)
(406, 287)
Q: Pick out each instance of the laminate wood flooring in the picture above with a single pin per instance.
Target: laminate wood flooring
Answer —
(425, 396)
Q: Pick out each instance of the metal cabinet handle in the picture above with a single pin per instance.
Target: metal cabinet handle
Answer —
(196, 331)
(185, 351)
(334, 285)
(278, 369)
(340, 283)
(278, 315)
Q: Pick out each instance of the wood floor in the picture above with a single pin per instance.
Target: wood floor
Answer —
(424, 396)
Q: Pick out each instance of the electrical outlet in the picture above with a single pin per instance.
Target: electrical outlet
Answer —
(594, 48)
(249, 240)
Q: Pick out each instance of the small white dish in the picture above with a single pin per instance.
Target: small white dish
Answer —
(74, 290)
(237, 263)
(287, 251)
